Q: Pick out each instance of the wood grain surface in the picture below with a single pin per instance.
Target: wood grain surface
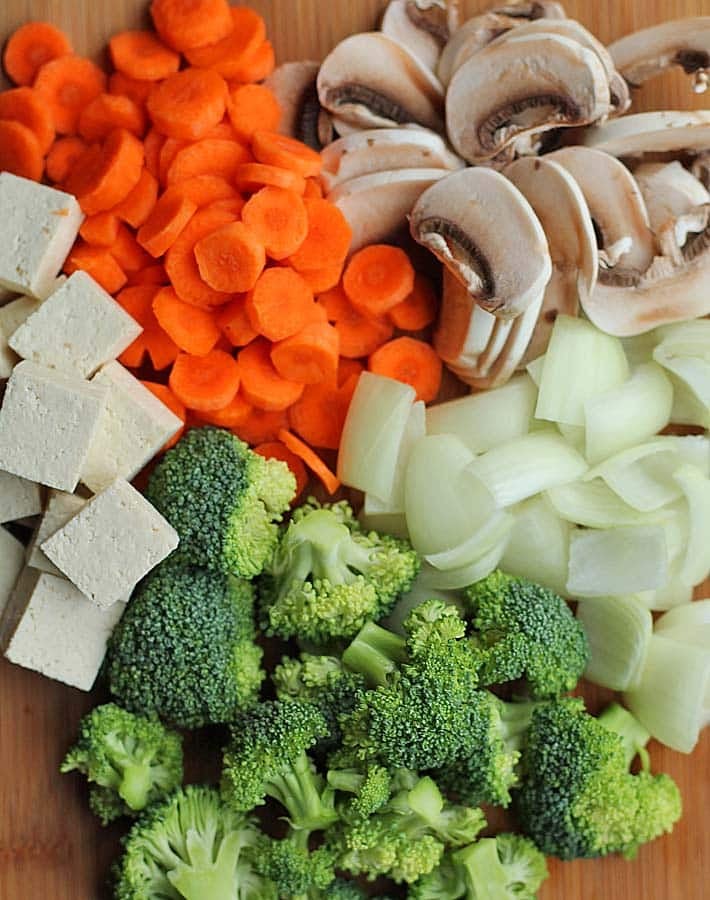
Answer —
(51, 847)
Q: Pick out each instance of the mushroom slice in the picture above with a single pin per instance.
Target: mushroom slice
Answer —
(302, 117)
(681, 42)
(372, 82)
(473, 35)
(482, 228)
(422, 26)
(560, 206)
(617, 209)
(652, 132)
(532, 9)
(382, 150)
(522, 85)
(376, 206)
(700, 168)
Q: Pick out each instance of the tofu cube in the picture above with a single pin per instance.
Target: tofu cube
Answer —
(133, 427)
(12, 558)
(41, 224)
(18, 498)
(77, 329)
(47, 423)
(60, 508)
(51, 628)
(113, 542)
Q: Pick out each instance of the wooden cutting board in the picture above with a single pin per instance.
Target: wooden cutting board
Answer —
(50, 845)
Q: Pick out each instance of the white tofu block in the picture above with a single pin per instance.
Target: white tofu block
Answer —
(51, 628)
(40, 225)
(116, 539)
(60, 508)
(47, 423)
(8, 358)
(17, 311)
(18, 498)
(77, 329)
(133, 427)
(12, 558)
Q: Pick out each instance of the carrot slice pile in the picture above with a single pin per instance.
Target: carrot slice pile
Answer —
(24, 105)
(252, 108)
(109, 111)
(418, 310)
(261, 383)
(106, 173)
(231, 258)
(30, 47)
(62, 156)
(278, 218)
(20, 151)
(269, 314)
(411, 361)
(165, 222)
(194, 330)
(227, 55)
(206, 382)
(184, 24)
(186, 105)
(67, 85)
(142, 56)
(330, 481)
(377, 278)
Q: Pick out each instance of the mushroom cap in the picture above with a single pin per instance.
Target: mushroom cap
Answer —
(371, 81)
(473, 35)
(522, 85)
(294, 86)
(422, 26)
(651, 132)
(670, 192)
(484, 230)
(532, 9)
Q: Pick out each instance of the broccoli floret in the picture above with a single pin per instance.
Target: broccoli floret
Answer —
(445, 882)
(577, 797)
(506, 866)
(223, 500)
(370, 787)
(526, 631)
(340, 889)
(375, 653)
(326, 578)
(192, 846)
(185, 647)
(130, 760)
(267, 758)
(297, 872)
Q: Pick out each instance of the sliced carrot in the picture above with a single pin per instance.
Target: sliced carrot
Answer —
(234, 414)
(166, 396)
(310, 356)
(328, 238)
(141, 55)
(181, 265)
(168, 151)
(184, 24)
(360, 335)
(194, 330)
(223, 131)
(100, 230)
(62, 156)
(348, 369)
(205, 383)
(154, 275)
(209, 156)
(419, 309)
(278, 450)
(20, 152)
(186, 105)
(330, 481)
(313, 189)
(278, 219)
(319, 415)
(255, 67)
(252, 177)
(324, 279)
(261, 383)
(67, 84)
(377, 278)
(227, 54)
(166, 222)
(234, 205)
(128, 253)
(234, 323)
(109, 111)
(231, 258)
(280, 304)
(336, 304)
(274, 149)
(99, 263)
(30, 47)
(138, 302)
(205, 189)
(107, 173)
(25, 106)
(253, 107)
(123, 86)
(261, 425)
(411, 361)
(138, 205)
(152, 145)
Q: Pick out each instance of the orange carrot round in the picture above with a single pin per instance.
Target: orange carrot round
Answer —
(234, 414)
(168, 151)
(123, 86)
(186, 105)
(253, 107)
(411, 361)
(25, 106)
(280, 304)
(418, 310)
(226, 55)
(310, 356)
(62, 156)
(205, 383)
(184, 24)
(99, 263)
(328, 238)
(30, 47)
(234, 323)
(67, 84)
(313, 189)
(194, 330)
(210, 156)
(325, 279)
(154, 275)
(100, 230)
(140, 55)
(109, 111)
(255, 67)
(166, 396)
(252, 177)
(231, 258)
(152, 145)
(278, 450)
(278, 219)
(129, 254)
(360, 335)
(336, 304)
(20, 152)
(377, 278)
(273, 149)
(318, 416)
(138, 302)
(107, 173)
(349, 369)
(138, 205)
(261, 425)
(205, 189)
(330, 481)
(168, 219)
(261, 383)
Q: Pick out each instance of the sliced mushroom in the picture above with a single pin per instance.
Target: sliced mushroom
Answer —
(532, 9)
(700, 168)
(617, 209)
(302, 116)
(482, 228)
(682, 42)
(371, 81)
(422, 26)
(560, 206)
(473, 35)
(376, 206)
(523, 85)
(651, 132)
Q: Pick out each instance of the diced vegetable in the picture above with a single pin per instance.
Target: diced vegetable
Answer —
(618, 630)
(617, 561)
(538, 547)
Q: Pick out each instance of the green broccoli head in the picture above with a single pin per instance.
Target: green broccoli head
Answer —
(507, 866)
(130, 760)
(267, 758)
(526, 631)
(297, 871)
(368, 787)
(577, 797)
(326, 578)
(192, 846)
(223, 500)
(185, 647)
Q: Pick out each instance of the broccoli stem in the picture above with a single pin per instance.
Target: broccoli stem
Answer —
(135, 785)
(347, 780)
(202, 877)
(426, 801)
(485, 876)
(309, 807)
(631, 732)
(515, 720)
(375, 653)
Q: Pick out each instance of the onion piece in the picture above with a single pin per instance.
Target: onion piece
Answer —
(685, 351)
(689, 623)
(674, 593)
(594, 505)
(534, 369)
(376, 516)
(687, 409)
(696, 487)
(494, 530)
(643, 475)
(454, 579)
(538, 547)
(617, 561)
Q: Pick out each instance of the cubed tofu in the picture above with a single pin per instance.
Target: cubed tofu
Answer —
(17, 311)
(19, 498)
(60, 508)
(40, 224)
(133, 427)
(12, 558)
(47, 423)
(113, 542)
(50, 627)
(77, 329)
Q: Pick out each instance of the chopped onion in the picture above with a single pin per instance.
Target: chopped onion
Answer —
(376, 516)
(573, 434)
(494, 530)
(453, 579)
(594, 505)
(413, 431)
(693, 449)
(538, 547)
(618, 630)
(689, 623)
(696, 487)
(617, 561)
(639, 348)
(673, 593)
(643, 475)
(685, 351)
(534, 369)
(687, 409)
(581, 362)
